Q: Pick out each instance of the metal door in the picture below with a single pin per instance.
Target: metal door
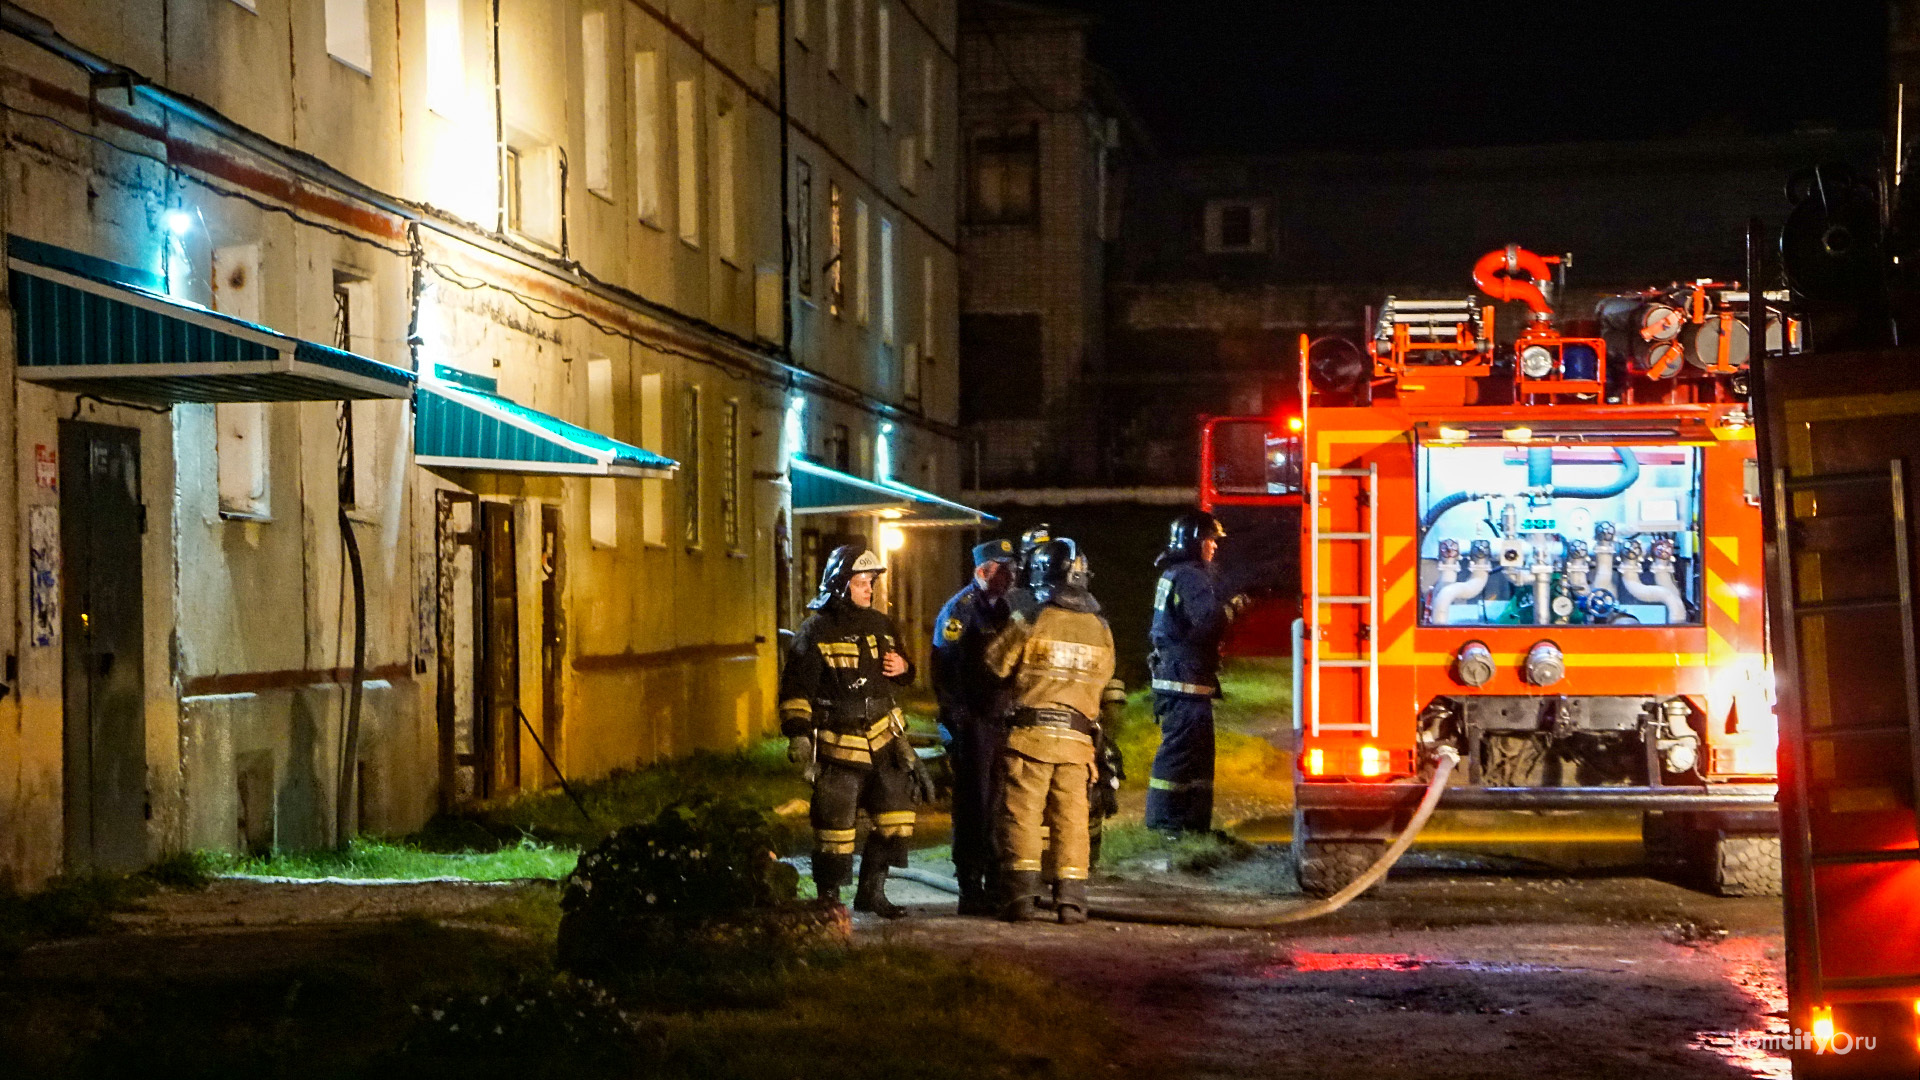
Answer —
(500, 653)
(107, 801)
(457, 547)
(552, 630)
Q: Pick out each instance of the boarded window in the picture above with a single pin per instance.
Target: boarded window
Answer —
(602, 493)
(690, 464)
(241, 427)
(726, 227)
(886, 282)
(766, 37)
(833, 34)
(653, 492)
(836, 255)
(862, 270)
(883, 40)
(446, 58)
(999, 367)
(803, 226)
(730, 474)
(929, 102)
(593, 64)
(646, 137)
(349, 36)
(1235, 226)
(686, 129)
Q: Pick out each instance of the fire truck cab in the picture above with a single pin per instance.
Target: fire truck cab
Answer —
(1543, 552)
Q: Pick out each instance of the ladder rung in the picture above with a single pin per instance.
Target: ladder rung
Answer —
(1344, 472)
(1346, 599)
(1831, 607)
(1346, 536)
(1813, 483)
(1341, 663)
(1859, 732)
(1346, 727)
(1851, 858)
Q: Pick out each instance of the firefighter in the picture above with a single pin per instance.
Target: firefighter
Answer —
(1189, 617)
(969, 720)
(838, 714)
(1020, 595)
(1059, 658)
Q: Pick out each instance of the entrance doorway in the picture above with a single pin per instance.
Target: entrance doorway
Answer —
(479, 646)
(107, 803)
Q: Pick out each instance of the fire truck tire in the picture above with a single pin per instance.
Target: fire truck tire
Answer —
(1746, 865)
(1326, 866)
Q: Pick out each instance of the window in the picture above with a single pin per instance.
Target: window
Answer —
(797, 13)
(859, 14)
(927, 324)
(886, 281)
(349, 37)
(909, 165)
(766, 37)
(726, 225)
(250, 5)
(603, 513)
(359, 454)
(833, 34)
(646, 137)
(803, 226)
(240, 441)
(690, 463)
(730, 474)
(1236, 226)
(839, 449)
(910, 372)
(997, 355)
(593, 56)
(533, 188)
(1005, 178)
(862, 272)
(836, 281)
(446, 58)
(883, 38)
(928, 103)
(686, 147)
(653, 492)
(769, 304)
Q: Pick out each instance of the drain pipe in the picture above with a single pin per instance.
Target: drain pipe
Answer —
(1447, 758)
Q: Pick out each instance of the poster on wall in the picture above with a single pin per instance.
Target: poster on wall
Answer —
(43, 570)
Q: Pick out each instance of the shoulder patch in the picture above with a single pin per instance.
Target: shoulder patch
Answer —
(951, 632)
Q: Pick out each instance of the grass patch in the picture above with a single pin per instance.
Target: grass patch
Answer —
(1259, 700)
(1189, 854)
(375, 857)
(531, 911)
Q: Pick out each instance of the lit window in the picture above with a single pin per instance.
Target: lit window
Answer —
(349, 37)
(1004, 181)
(593, 53)
(836, 280)
(446, 59)
(686, 147)
(690, 464)
(646, 137)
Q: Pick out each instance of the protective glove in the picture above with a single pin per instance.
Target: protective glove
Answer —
(800, 752)
(1105, 796)
(919, 779)
(1238, 603)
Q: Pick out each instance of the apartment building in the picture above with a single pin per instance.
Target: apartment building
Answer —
(453, 389)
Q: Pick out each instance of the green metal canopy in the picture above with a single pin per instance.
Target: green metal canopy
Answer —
(818, 489)
(90, 326)
(460, 422)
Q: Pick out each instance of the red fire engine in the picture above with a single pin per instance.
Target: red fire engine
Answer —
(1543, 552)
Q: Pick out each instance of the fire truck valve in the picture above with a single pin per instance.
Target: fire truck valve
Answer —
(1479, 566)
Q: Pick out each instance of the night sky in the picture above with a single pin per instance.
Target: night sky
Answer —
(1213, 75)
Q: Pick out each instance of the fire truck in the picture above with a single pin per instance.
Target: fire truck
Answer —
(1540, 548)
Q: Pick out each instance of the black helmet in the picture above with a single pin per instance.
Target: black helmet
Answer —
(846, 561)
(1053, 566)
(1183, 539)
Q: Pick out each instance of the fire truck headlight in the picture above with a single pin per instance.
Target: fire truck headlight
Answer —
(1545, 664)
(1316, 762)
(1536, 361)
(1473, 664)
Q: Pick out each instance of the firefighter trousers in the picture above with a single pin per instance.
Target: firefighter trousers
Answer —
(1041, 794)
(885, 791)
(1180, 790)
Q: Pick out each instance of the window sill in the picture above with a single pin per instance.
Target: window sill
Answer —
(603, 196)
(363, 515)
(653, 223)
(692, 242)
(364, 72)
(245, 515)
(736, 554)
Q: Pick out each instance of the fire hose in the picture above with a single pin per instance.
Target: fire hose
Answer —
(1448, 757)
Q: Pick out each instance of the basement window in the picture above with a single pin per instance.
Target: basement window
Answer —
(1236, 227)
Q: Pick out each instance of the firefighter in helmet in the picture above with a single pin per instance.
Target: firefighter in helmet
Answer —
(1059, 657)
(838, 714)
(969, 720)
(1190, 615)
(1020, 595)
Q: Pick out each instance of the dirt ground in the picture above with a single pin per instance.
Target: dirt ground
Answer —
(1433, 974)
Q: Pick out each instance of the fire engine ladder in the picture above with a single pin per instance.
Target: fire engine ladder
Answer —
(1795, 608)
(1365, 591)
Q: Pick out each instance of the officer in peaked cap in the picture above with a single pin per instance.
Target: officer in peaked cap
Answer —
(967, 691)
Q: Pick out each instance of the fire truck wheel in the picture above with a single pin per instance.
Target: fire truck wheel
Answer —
(1326, 866)
(1746, 865)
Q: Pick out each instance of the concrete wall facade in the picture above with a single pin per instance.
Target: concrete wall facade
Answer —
(393, 193)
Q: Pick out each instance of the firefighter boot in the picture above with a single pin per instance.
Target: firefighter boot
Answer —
(871, 895)
(830, 871)
(1070, 900)
(1022, 896)
(974, 897)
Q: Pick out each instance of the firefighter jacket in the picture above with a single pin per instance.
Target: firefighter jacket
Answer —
(961, 681)
(833, 690)
(1060, 659)
(1189, 618)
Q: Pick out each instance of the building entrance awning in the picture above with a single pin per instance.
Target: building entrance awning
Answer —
(818, 489)
(89, 326)
(460, 422)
